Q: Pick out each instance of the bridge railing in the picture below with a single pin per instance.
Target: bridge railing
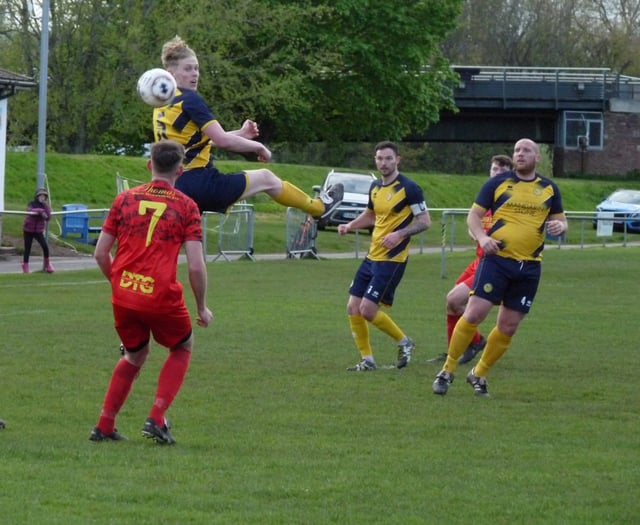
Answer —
(583, 82)
(535, 74)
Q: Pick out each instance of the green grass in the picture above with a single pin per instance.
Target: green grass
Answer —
(271, 429)
(90, 179)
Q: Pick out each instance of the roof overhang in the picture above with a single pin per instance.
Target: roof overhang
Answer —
(10, 83)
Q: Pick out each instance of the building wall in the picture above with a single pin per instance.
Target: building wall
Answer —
(621, 153)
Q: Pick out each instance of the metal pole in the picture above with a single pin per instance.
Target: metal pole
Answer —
(42, 98)
(443, 243)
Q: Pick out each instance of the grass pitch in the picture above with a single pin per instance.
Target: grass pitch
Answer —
(271, 429)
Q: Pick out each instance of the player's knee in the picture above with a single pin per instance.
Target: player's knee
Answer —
(368, 312)
(269, 179)
(456, 307)
(137, 358)
(457, 299)
(353, 306)
(263, 180)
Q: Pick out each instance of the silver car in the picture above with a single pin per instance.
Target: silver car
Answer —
(356, 196)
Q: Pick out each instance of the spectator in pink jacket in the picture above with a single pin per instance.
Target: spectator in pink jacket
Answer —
(34, 226)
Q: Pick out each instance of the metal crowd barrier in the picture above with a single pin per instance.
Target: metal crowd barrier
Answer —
(234, 229)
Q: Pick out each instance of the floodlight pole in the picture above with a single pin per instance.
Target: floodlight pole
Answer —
(42, 99)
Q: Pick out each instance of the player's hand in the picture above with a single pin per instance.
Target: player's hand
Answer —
(343, 229)
(264, 155)
(490, 245)
(205, 316)
(555, 228)
(249, 129)
(391, 240)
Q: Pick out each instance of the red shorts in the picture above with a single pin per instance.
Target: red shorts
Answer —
(469, 273)
(168, 329)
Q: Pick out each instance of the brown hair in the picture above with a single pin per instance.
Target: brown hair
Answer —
(175, 50)
(166, 156)
(502, 160)
(386, 144)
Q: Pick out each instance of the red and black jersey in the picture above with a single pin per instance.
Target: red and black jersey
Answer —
(150, 222)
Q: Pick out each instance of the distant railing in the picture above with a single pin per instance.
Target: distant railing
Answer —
(535, 74)
(583, 231)
(585, 83)
(234, 234)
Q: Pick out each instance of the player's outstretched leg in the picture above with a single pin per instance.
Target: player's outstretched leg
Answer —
(331, 199)
(318, 208)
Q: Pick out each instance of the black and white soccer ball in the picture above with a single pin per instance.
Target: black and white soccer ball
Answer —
(156, 87)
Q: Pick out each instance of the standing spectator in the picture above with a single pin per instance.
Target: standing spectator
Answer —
(524, 205)
(396, 210)
(34, 226)
(151, 223)
(458, 296)
(189, 121)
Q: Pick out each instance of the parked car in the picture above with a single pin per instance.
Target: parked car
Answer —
(625, 204)
(356, 196)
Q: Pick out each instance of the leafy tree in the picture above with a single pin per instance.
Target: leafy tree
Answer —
(94, 50)
(515, 33)
(306, 70)
(613, 33)
(554, 33)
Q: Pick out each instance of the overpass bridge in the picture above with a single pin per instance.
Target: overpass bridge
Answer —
(590, 116)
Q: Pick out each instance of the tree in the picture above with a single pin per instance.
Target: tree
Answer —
(368, 69)
(554, 33)
(94, 49)
(613, 27)
(306, 70)
(515, 33)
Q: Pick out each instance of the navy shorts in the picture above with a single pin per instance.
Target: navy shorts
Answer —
(507, 281)
(377, 280)
(212, 190)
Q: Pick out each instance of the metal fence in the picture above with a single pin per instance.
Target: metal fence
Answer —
(587, 229)
(234, 230)
(232, 235)
(301, 232)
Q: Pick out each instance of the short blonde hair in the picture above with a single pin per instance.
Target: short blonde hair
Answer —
(175, 50)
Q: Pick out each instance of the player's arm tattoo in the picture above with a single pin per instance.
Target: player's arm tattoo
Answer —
(416, 226)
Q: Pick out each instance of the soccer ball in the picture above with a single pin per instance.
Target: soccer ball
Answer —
(156, 87)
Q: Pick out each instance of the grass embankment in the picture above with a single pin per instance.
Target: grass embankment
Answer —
(91, 179)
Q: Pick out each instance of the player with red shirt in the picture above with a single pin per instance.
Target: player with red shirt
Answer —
(151, 223)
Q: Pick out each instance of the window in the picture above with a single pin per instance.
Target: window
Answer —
(582, 130)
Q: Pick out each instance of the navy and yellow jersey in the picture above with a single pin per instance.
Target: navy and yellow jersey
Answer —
(520, 209)
(394, 206)
(184, 121)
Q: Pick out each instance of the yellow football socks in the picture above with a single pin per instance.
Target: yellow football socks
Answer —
(296, 198)
(497, 344)
(385, 324)
(360, 334)
(462, 335)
